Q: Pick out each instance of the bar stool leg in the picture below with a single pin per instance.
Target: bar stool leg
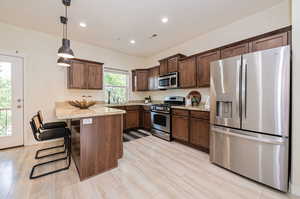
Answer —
(68, 157)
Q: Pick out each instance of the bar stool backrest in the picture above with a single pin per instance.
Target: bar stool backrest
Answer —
(40, 116)
(35, 126)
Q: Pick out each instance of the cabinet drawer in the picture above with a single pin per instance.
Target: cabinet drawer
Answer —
(200, 115)
(180, 112)
(134, 107)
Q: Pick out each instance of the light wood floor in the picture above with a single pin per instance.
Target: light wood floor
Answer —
(151, 168)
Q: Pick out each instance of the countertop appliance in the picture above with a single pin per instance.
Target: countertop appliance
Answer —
(168, 81)
(161, 117)
(250, 107)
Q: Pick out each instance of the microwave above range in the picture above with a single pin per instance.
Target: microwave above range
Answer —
(168, 81)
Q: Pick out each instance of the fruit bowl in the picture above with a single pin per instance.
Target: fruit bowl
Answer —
(83, 104)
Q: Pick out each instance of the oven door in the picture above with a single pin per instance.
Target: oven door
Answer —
(160, 121)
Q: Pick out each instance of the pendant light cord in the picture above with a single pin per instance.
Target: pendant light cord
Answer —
(66, 10)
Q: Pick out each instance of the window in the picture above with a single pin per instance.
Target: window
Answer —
(116, 85)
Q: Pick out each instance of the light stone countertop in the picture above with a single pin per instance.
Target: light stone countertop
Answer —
(64, 110)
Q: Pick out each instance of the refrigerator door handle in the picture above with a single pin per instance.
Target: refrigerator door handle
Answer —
(244, 89)
(248, 137)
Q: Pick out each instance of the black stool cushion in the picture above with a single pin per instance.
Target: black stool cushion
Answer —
(50, 134)
(52, 125)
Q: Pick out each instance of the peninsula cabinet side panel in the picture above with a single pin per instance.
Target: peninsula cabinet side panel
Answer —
(99, 145)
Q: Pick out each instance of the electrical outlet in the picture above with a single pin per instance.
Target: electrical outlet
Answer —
(87, 121)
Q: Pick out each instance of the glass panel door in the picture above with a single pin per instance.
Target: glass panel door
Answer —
(11, 101)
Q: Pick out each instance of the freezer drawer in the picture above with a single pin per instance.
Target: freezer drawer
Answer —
(259, 157)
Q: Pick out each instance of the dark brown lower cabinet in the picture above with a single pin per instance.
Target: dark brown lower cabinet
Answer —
(147, 120)
(191, 128)
(132, 119)
(199, 132)
(180, 127)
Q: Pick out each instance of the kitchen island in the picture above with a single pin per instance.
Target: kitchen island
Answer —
(96, 137)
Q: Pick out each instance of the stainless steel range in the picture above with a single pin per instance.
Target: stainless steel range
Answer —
(161, 117)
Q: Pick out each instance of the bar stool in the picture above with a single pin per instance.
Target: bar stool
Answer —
(49, 125)
(50, 134)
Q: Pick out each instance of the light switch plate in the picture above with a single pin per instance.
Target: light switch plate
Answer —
(87, 121)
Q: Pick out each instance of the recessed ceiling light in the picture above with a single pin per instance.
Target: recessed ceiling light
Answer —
(82, 24)
(164, 20)
(132, 41)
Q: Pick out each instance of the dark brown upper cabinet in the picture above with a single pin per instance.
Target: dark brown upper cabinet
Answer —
(187, 73)
(203, 67)
(163, 67)
(133, 80)
(173, 64)
(83, 74)
(235, 50)
(170, 64)
(272, 41)
(153, 78)
(95, 76)
(141, 79)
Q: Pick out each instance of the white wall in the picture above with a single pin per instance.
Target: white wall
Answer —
(271, 19)
(296, 98)
(45, 81)
(268, 20)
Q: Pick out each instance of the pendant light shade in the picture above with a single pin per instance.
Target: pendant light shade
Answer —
(65, 51)
(63, 62)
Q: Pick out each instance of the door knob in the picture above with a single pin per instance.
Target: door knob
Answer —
(19, 106)
(19, 100)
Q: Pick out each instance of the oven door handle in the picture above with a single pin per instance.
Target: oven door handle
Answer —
(161, 112)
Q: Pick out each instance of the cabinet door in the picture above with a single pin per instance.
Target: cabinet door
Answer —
(132, 119)
(141, 80)
(187, 73)
(77, 75)
(203, 67)
(133, 80)
(235, 50)
(173, 65)
(163, 67)
(273, 41)
(199, 132)
(180, 128)
(95, 76)
(153, 78)
(147, 120)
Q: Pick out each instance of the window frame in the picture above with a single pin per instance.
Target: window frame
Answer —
(117, 71)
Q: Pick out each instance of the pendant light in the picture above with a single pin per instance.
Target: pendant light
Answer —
(65, 51)
(63, 62)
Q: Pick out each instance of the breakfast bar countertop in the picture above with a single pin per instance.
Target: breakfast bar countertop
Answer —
(64, 110)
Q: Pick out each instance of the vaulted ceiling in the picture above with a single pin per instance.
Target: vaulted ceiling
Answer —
(113, 23)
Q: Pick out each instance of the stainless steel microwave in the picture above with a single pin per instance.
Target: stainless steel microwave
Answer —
(168, 81)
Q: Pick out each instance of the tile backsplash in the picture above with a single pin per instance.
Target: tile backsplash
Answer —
(160, 95)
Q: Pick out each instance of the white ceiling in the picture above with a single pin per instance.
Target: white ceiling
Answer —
(108, 20)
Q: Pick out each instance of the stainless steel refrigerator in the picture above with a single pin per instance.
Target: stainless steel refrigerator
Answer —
(250, 109)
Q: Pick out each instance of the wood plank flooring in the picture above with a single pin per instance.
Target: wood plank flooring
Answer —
(150, 169)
